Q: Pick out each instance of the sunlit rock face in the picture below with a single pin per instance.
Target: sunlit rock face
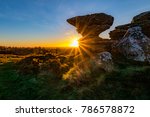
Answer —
(142, 20)
(135, 45)
(91, 25)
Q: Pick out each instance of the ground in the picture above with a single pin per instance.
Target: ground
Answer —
(126, 82)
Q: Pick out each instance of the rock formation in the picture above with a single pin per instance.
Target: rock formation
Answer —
(131, 41)
(90, 26)
(142, 20)
(145, 16)
(135, 45)
(91, 45)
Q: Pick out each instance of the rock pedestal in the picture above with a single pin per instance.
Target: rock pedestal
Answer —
(90, 26)
(91, 45)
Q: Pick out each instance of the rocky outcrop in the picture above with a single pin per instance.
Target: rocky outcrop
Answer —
(145, 16)
(134, 45)
(142, 20)
(119, 32)
(90, 45)
(91, 25)
(131, 41)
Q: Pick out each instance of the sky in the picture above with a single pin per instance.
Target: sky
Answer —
(43, 23)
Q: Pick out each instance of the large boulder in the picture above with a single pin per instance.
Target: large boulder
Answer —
(142, 20)
(91, 25)
(135, 45)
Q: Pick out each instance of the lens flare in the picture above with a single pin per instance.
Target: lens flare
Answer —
(74, 43)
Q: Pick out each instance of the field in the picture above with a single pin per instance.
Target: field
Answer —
(10, 58)
(51, 75)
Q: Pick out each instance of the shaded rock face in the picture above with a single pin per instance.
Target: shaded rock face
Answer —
(145, 16)
(119, 32)
(105, 56)
(142, 20)
(91, 45)
(135, 45)
(91, 25)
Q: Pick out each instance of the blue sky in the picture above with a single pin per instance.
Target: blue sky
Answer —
(41, 22)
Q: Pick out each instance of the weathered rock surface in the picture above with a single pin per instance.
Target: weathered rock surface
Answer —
(91, 25)
(142, 20)
(94, 45)
(135, 45)
(130, 40)
(145, 16)
(105, 61)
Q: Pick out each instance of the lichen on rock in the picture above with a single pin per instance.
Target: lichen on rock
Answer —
(135, 45)
(105, 61)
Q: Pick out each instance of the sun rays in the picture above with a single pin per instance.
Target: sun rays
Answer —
(83, 45)
(80, 49)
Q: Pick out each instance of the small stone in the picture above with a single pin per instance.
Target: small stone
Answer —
(105, 61)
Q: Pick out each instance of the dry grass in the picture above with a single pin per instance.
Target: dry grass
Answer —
(5, 58)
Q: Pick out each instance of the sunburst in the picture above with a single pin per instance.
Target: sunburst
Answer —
(74, 43)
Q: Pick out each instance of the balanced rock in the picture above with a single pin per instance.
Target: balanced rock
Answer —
(135, 45)
(142, 20)
(91, 25)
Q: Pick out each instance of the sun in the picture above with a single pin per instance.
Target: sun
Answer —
(74, 43)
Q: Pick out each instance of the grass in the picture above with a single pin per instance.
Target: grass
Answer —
(13, 86)
(128, 82)
(44, 86)
(10, 58)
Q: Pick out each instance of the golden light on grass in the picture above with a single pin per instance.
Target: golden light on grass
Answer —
(74, 43)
